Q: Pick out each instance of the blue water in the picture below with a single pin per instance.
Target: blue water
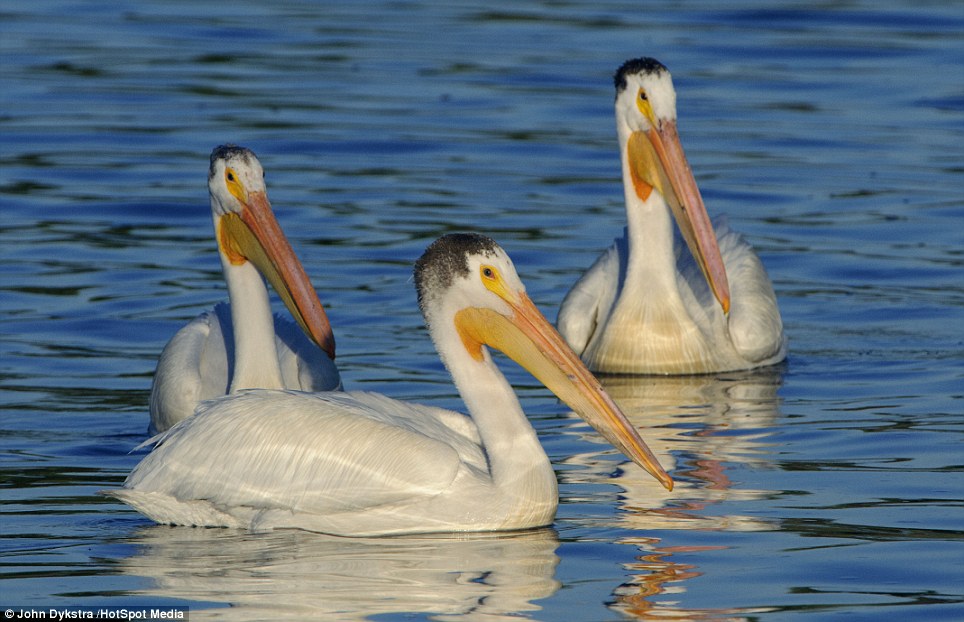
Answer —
(832, 135)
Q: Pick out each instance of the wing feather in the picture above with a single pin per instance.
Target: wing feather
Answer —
(755, 325)
(589, 301)
(325, 453)
(195, 365)
(187, 372)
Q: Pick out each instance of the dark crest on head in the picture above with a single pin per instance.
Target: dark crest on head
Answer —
(226, 152)
(634, 66)
(446, 259)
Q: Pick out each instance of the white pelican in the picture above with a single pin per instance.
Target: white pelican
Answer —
(647, 306)
(362, 464)
(241, 341)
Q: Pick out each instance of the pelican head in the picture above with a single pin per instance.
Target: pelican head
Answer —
(467, 283)
(646, 122)
(246, 230)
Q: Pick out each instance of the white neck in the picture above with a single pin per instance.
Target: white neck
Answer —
(256, 363)
(518, 464)
(650, 236)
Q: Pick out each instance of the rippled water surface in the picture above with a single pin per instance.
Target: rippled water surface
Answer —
(832, 135)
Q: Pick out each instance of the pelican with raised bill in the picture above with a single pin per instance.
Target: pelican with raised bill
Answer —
(658, 301)
(362, 464)
(240, 345)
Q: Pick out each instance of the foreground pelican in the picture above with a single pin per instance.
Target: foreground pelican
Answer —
(241, 341)
(361, 464)
(647, 306)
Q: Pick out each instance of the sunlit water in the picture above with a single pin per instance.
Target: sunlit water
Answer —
(832, 134)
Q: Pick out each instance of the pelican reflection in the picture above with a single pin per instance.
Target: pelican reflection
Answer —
(294, 574)
(661, 571)
(698, 427)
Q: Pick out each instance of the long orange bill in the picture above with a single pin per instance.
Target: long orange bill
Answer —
(258, 238)
(531, 341)
(670, 173)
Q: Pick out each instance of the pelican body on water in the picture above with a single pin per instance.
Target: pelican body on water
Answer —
(658, 302)
(240, 345)
(362, 464)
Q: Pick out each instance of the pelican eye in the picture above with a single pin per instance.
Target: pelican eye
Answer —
(645, 107)
(492, 280)
(234, 186)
